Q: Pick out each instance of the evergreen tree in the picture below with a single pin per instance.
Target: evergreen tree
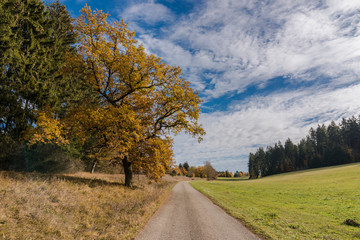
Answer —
(350, 129)
(27, 64)
(186, 166)
(291, 155)
(253, 167)
(321, 143)
(278, 158)
(34, 41)
(270, 166)
(324, 146)
(303, 155)
(334, 135)
(260, 160)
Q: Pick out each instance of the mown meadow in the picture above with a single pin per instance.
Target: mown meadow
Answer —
(312, 204)
(76, 206)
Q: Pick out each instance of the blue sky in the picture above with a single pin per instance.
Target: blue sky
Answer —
(266, 70)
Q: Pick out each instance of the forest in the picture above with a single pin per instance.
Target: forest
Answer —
(330, 145)
(83, 93)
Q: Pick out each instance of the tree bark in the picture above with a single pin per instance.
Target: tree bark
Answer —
(93, 166)
(128, 171)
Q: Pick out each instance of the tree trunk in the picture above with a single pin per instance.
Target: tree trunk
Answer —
(128, 172)
(93, 166)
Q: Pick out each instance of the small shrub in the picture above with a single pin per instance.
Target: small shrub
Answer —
(351, 222)
(173, 173)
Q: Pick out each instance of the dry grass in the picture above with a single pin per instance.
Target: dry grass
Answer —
(78, 206)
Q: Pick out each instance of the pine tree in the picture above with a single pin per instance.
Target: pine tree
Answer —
(33, 47)
(186, 166)
(34, 42)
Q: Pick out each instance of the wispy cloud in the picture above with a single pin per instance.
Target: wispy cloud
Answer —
(262, 121)
(247, 42)
(146, 13)
(225, 46)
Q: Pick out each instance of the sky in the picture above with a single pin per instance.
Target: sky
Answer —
(266, 70)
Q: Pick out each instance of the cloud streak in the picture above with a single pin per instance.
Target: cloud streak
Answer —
(262, 121)
(247, 42)
(227, 46)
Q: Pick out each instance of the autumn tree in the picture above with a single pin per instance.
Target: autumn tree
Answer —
(226, 174)
(140, 99)
(240, 174)
(191, 172)
(210, 172)
(200, 172)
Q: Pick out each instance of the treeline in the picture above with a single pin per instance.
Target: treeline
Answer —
(184, 169)
(231, 175)
(324, 146)
(206, 171)
(83, 92)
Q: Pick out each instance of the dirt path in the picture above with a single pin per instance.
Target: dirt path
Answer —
(188, 214)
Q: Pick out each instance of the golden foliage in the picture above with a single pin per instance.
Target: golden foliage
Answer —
(111, 131)
(131, 82)
(152, 157)
(124, 74)
(141, 100)
(48, 129)
(226, 174)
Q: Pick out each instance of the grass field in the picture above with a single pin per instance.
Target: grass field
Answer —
(311, 204)
(80, 206)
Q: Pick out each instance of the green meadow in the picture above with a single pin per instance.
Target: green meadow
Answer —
(311, 204)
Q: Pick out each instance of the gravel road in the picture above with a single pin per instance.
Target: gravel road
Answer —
(188, 214)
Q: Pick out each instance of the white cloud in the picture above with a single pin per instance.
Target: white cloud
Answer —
(227, 45)
(263, 121)
(346, 6)
(148, 12)
(248, 42)
(175, 54)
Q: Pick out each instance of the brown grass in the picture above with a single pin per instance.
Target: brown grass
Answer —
(77, 206)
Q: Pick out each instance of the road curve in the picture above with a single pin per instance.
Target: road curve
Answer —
(188, 214)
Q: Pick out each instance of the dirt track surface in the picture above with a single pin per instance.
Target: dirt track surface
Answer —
(188, 214)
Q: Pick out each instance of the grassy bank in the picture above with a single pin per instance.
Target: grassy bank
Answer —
(310, 204)
(79, 206)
